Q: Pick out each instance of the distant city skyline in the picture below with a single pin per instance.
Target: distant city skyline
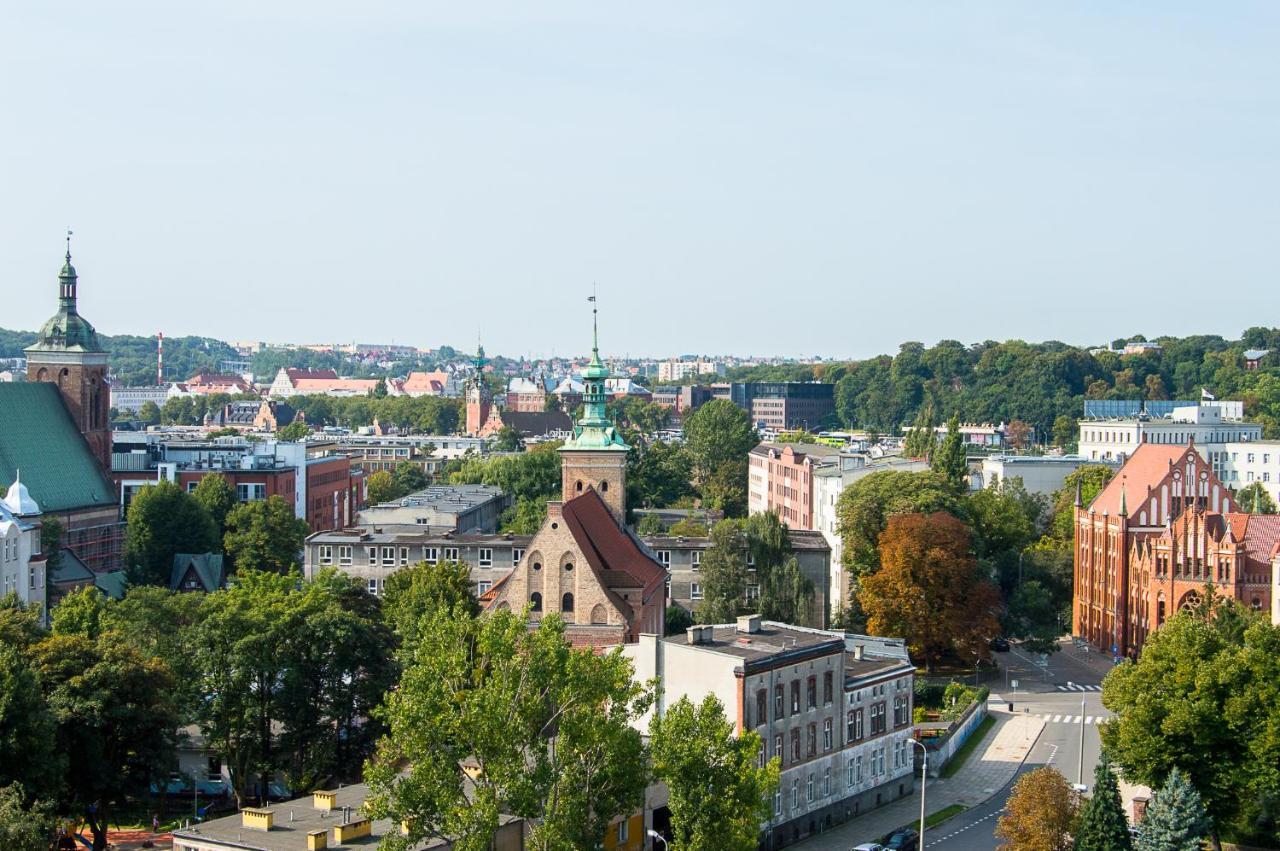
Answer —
(734, 178)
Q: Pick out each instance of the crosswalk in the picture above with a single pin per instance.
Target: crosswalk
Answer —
(1050, 718)
(1078, 687)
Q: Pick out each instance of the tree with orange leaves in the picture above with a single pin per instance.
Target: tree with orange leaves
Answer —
(930, 591)
(1040, 814)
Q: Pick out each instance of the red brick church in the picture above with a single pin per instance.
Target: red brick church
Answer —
(1153, 537)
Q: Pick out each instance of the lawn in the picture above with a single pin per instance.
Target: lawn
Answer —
(969, 746)
(932, 820)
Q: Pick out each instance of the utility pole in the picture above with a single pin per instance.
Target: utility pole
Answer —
(1080, 769)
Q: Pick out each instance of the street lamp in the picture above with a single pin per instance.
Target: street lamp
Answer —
(1080, 769)
(659, 837)
(924, 774)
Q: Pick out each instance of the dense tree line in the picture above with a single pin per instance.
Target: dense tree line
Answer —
(1042, 384)
(421, 414)
(133, 359)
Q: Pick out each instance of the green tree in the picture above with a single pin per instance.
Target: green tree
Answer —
(1032, 616)
(1255, 499)
(218, 496)
(949, 460)
(1175, 820)
(81, 612)
(677, 620)
(265, 535)
(1092, 478)
(1103, 826)
(688, 528)
(659, 475)
(382, 487)
(864, 509)
(160, 624)
(561, 750)
(293, 432)
(25, 825)
(726, 489)
(51, 543)
(27, 755)
(113, 711)
(1065, 431)
(149, 413)
(1176, 708)
(724, 574)
(650, 524)
(718, 793)
(409, 477)
(164, 520)
(922, 439)
(525, 517)
(717, 434)
(415, 594)
(1004, 517)
(508, 440)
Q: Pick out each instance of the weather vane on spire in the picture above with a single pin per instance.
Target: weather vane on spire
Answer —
(69, 233)
(595, 330)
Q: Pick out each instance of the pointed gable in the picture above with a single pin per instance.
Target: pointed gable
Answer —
(612, 553)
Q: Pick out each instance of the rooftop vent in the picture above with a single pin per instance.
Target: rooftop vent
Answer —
(749, 624)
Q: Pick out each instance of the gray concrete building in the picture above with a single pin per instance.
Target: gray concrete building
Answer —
(444, 508)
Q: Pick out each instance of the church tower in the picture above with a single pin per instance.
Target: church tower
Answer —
(478, 399)
(67, 353)
(596, 455)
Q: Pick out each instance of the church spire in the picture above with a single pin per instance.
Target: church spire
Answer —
(594, 430)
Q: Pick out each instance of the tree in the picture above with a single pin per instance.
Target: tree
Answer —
(718, 792)
(382, 488)
(930, 591)
(1255, 499)
(160, 624)
(113, 711)
(688, 528)
(678, 620)
(659, 475)
(149, 413)
(561, 750)
(718, 437)
(786, 594)
(724, 574)
(1040, 814)
(949, 460)
(164, 520)
(864, 509)
(1175, 820)
(24, 825)
(1065, 431)
(1019, 434)
(726, 489)
(294, 431)
(921, 440)
(415, 594)
(81, 612)
(265, 535)
(51, 543)
(1004, 517)
(27, 755)
(1092, 478)
(508, 440)
(650, 524)
(409, 477)
(1103, 826)
(218, 496)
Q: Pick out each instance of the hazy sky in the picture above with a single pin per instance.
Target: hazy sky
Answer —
(796, 179)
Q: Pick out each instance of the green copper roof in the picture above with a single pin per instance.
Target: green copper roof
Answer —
(38, 437)
(594, 430)
(66, 330)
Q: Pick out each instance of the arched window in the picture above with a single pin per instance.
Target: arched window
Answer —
(578, 486)
(566, 603)
(604, 487)
(598, 614)
(536, 599)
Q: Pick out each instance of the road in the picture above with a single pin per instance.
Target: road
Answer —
(1068, 695)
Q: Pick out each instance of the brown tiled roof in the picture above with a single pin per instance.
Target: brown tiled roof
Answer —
(613, 554)
(1259, 532)
(1147, 466)
(295, 373)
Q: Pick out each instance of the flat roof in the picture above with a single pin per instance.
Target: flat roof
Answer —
(774, 643)
(445, 498)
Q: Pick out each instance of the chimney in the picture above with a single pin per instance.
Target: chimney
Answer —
(749, 624)
(702, 634)
(857, 652)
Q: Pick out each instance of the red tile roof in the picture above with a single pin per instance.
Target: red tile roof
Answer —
(613, 554)
(295, 373)
(1148, 465)
(1259, 532)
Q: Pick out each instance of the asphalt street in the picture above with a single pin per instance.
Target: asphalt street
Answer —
(1067, 695)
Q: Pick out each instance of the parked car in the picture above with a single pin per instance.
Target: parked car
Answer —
(1000, 645)
(868, 846)
(903, 840)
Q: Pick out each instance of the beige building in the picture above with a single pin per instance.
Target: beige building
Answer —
(835, 710)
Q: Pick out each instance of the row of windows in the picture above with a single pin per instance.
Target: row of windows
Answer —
(779, 698)
(393, 556)
(875, 768)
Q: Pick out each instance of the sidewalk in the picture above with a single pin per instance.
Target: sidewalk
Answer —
(1099, 663)
(983, 775)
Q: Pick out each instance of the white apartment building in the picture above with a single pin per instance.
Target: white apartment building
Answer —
(1042, 474)
(1207, 425)
(834, 709)
(22, 565)
(133, 398)
(1241, 464)
(678, 370)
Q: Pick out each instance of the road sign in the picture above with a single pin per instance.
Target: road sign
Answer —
(1015, 685)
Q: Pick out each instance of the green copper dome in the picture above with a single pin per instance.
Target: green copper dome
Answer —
(67, 330)
(594, 430)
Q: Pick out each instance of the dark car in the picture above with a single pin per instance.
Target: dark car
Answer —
(903, 840)
(1000, 645)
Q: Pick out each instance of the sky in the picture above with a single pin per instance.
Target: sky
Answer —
(825, 179)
